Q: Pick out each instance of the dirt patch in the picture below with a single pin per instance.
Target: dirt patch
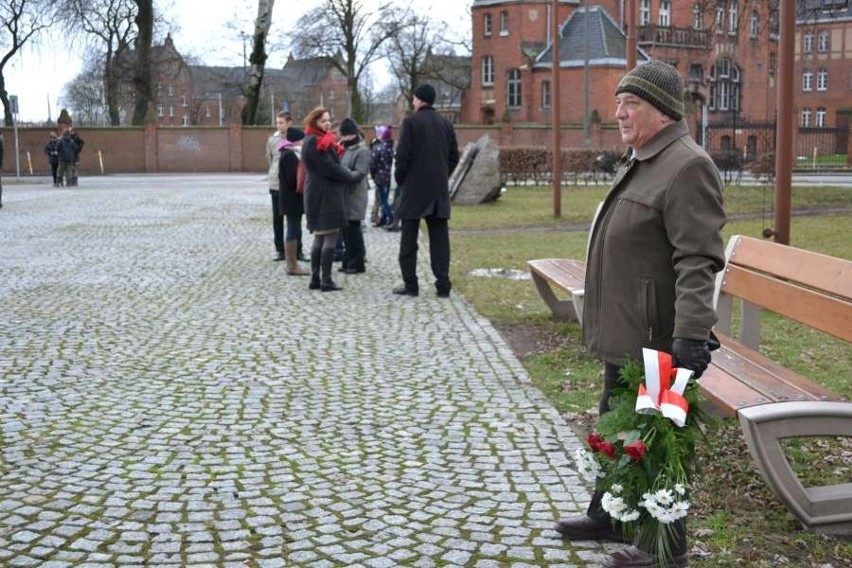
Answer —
(528, 340)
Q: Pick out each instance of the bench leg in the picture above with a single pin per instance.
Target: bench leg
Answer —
(826, 509)
(562, 309)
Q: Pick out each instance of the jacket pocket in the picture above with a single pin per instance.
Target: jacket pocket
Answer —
(650, 311)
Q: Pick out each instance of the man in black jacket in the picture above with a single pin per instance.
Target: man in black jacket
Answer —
(426, 155)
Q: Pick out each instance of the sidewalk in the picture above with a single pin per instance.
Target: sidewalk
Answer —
(169, 397)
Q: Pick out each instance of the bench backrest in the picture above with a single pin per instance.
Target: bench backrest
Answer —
(809, 287)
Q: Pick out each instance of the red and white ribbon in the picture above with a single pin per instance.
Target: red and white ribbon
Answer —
(658, 394)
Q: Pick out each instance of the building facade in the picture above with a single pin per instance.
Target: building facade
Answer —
(725, 50)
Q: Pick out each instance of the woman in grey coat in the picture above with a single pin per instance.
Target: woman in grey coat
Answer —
(355, 158)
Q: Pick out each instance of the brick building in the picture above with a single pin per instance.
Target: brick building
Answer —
(726, 51)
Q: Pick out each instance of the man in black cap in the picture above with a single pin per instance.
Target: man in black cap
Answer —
(654, 249)
(426, 155)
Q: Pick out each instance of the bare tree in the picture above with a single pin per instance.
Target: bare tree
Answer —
(21, 21)
(349, 36)
(143, 91)
(257, 59)
(112, 22)
(85, 94)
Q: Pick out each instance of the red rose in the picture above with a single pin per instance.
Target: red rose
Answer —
(608, 449)
(595, 440)
(636, 450)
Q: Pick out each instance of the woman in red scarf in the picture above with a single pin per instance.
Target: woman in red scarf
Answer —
(324, 189)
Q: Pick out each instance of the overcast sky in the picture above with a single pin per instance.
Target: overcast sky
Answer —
(38, 74)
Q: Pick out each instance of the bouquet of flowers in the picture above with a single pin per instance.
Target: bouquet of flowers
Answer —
(641, 455)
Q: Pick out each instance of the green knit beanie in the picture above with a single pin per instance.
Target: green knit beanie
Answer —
(658, 83)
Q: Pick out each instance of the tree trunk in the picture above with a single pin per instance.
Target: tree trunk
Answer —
(4, 98)
(257, 60)
(143, 110)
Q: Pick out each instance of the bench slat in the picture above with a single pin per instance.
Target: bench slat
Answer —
(565, 274)
(739, 377)
(811, 269)
(820, 311)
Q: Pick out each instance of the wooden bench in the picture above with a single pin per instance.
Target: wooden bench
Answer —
(564, 275)
(773, 403)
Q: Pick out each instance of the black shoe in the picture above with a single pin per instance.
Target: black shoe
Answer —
(330, 287)
(583, 527)
(315, 284)
(392, 228)
(633, 557)
(280, 256)
(403, 291)
(443, 293)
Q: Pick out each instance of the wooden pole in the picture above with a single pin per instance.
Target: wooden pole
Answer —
(631, 34)
(784, 126)
(556, 103)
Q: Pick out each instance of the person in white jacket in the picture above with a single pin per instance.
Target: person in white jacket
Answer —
(283, 121)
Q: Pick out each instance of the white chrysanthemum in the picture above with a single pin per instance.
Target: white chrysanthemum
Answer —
(680, 509)
(587, 466)
(616, 488)
(664, 497)
(680, 489)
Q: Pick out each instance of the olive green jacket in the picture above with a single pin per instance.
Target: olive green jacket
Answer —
(654, 249)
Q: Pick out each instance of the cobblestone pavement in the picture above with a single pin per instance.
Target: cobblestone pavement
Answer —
(169, 397)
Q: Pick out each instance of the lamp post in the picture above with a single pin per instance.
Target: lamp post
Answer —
(556, 103)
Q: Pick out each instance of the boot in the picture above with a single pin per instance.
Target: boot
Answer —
(315, 270)
(327, 284)
(293, 266)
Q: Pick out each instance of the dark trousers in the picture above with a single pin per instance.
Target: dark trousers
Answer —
(356, 252)
(277, 221)
(439, 252)
(612, 379)
(54, 168)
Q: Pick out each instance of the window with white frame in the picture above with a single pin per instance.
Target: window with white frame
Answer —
(820, 117)
(160, 110)
(720, 16)
(733, 17)
(488, 70)
(513, 88)
(698, 16)
(183, 101)
(806, 117)
(504, 23)
(207, 111)
(822, 44)
(644, 12)
(545, 94)
(754, 25)
(665, 15)
(170, 90)
(808, 42)
(822, 79)
(724, 86)
(487, 24)
(171, 110)
(807, 80)
(185, 120)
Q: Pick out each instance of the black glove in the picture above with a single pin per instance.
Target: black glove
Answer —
(690, 354)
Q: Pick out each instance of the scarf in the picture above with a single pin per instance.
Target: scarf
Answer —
(325, 140)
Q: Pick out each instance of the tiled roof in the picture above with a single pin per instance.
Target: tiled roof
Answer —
(607, 42)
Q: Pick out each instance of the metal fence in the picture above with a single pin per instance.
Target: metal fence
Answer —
(735, 143)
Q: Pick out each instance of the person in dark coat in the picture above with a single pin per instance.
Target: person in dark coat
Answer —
(324, 187)
(426, 155)
(291, 203)
(381, 166)
(51, 149)
(78, 148)
(67, 156)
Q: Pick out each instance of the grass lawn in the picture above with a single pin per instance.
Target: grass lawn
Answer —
(735, 519)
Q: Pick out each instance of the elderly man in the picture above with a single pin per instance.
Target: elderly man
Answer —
(426, 155)
(654, 249)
